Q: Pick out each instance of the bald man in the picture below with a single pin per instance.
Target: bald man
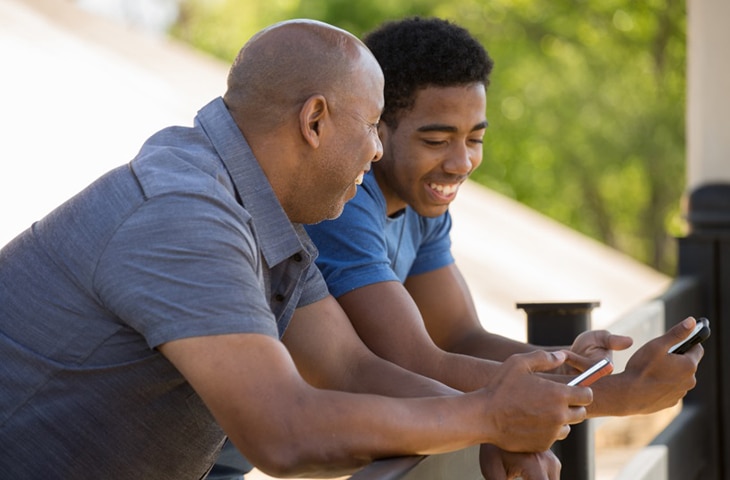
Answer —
(174, 301)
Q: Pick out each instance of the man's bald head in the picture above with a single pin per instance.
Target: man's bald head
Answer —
(307, 97)
(283, 65)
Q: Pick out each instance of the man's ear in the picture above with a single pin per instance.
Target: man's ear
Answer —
(311, 119)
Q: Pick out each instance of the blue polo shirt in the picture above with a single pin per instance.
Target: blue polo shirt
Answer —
(187, 240)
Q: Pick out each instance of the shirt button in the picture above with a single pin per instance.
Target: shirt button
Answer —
(279, 297)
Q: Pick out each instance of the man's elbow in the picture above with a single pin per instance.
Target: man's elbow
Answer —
(295, 459)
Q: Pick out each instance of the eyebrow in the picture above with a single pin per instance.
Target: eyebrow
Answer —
(437, 127)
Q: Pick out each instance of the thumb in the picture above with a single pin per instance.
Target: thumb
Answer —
(490, 463)
(619, 342)
(542, 361)
(680, 331)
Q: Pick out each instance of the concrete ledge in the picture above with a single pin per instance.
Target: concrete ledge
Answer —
(649, 464)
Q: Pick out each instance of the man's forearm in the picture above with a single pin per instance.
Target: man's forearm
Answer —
(376, 375)
(483, 344)
(333, 433)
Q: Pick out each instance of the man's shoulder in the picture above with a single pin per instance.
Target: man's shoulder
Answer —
(179, 159)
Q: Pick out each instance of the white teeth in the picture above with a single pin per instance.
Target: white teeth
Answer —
(358, 180)
(445, 189)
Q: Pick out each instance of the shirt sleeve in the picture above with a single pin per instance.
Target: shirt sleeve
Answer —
(315, 288)
(352, 248)
(434, 250)
(181, 267)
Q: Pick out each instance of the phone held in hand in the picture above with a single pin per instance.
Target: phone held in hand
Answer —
(698, 335)
(601, 369)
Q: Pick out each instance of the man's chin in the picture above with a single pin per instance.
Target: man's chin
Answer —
(334, 209)
(332, 213)
(432, 211)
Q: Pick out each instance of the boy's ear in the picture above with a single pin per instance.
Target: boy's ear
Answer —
(383, 131)
(312, 117)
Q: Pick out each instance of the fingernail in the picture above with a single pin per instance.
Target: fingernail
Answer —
(559, 355)
(687, 323)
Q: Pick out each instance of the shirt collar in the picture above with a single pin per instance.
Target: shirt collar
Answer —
(279, 238)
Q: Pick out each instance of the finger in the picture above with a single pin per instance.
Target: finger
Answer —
(577, 361)
(578, 396)
(545, 466)
(695, 353)
(576, 414)
(554, 466)
(530, 472)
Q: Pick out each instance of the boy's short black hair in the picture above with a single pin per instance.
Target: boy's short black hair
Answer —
(418, 52)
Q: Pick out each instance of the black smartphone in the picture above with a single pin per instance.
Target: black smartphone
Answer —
(699, 334)
(600, 369)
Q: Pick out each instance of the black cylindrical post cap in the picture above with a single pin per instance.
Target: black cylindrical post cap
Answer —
(708, 208)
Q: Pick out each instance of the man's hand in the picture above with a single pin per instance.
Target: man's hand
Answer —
(660, 379)
(590, 347)
(653, 378)
(529, 413)
(496, 464)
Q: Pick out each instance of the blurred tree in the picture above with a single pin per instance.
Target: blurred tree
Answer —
(586, 105)
(221, 27)
(587, 109)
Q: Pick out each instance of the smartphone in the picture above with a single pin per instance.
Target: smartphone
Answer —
(699, 334)
(600, 369)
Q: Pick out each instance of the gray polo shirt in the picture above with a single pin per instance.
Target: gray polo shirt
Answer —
(186, 240)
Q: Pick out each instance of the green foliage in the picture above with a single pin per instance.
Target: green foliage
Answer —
(221, 27)
(586, 104)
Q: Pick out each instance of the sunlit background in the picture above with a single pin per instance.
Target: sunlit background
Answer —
(586, 106)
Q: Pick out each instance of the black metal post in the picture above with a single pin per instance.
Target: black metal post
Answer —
(704, 254)
(557, 324)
